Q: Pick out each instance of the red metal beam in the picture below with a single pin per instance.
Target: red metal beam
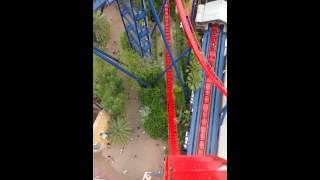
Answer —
(195, 167)
(193, 44)
(204, 119)
(172, 129)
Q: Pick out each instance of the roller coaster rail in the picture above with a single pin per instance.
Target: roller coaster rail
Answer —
(207, 110)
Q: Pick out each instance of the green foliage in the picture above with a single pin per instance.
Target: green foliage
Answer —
(183, 122)
(181, 40)
(154, 43)
(155, 122)
(181, 43)
(191, 73)
(108, 87)
(137, 4)
(173, 14)
(156, 125)
(179, 97)
(145, 70)
(153, 98)
(101, 29)
(124, 41)
(184, 117)
(119, 131)
(193, 70)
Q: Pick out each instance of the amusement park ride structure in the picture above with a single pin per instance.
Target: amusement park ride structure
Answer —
(208, 102)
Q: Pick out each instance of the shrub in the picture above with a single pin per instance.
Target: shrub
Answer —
(108, 87)
(101, 29)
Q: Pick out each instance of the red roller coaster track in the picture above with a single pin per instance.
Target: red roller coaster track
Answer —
(207, 94)
(179, 167)
(193, 44)
(172, 129)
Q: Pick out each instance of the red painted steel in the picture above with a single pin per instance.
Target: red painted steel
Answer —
(172, 129)
(178, 167)
(196, 168)
(204, 119)
(193, 44)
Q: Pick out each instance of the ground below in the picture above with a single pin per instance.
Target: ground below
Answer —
(142, 153)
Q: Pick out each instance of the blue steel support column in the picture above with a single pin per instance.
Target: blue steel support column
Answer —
(188, 63)
(195, 108)
(223, 114)
(189, 57)
(136, 27)
(198, 122)
(124, 25)
(153, 11)
(99, 4)
(147, 28)
(177, 60)
(224, 109)
(146, 41)
(102, 7)
(128, 21)
(194, 2)
(159, 15)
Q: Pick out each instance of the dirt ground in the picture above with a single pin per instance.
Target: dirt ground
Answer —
(116, 29)
(142, 153)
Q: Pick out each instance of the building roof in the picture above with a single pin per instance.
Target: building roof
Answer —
(212, 11)
(100, 125)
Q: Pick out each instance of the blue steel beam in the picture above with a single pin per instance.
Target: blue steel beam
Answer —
(112, 61)
(131, 16)
(124, 25)
(135, 23)
(198, 122)
(159, 15)
(194, 2)
(99, 4)
(156, 17)
(189, 57)
(177, 60)
(128, 25)
(159, 76)
(191, 140)
(223, 114)
(146, 29)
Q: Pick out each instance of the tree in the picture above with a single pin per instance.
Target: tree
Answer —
(108, 87)
(119, 131)
(101, 29)
(143, 69)
(155, 123)
(193, 70)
